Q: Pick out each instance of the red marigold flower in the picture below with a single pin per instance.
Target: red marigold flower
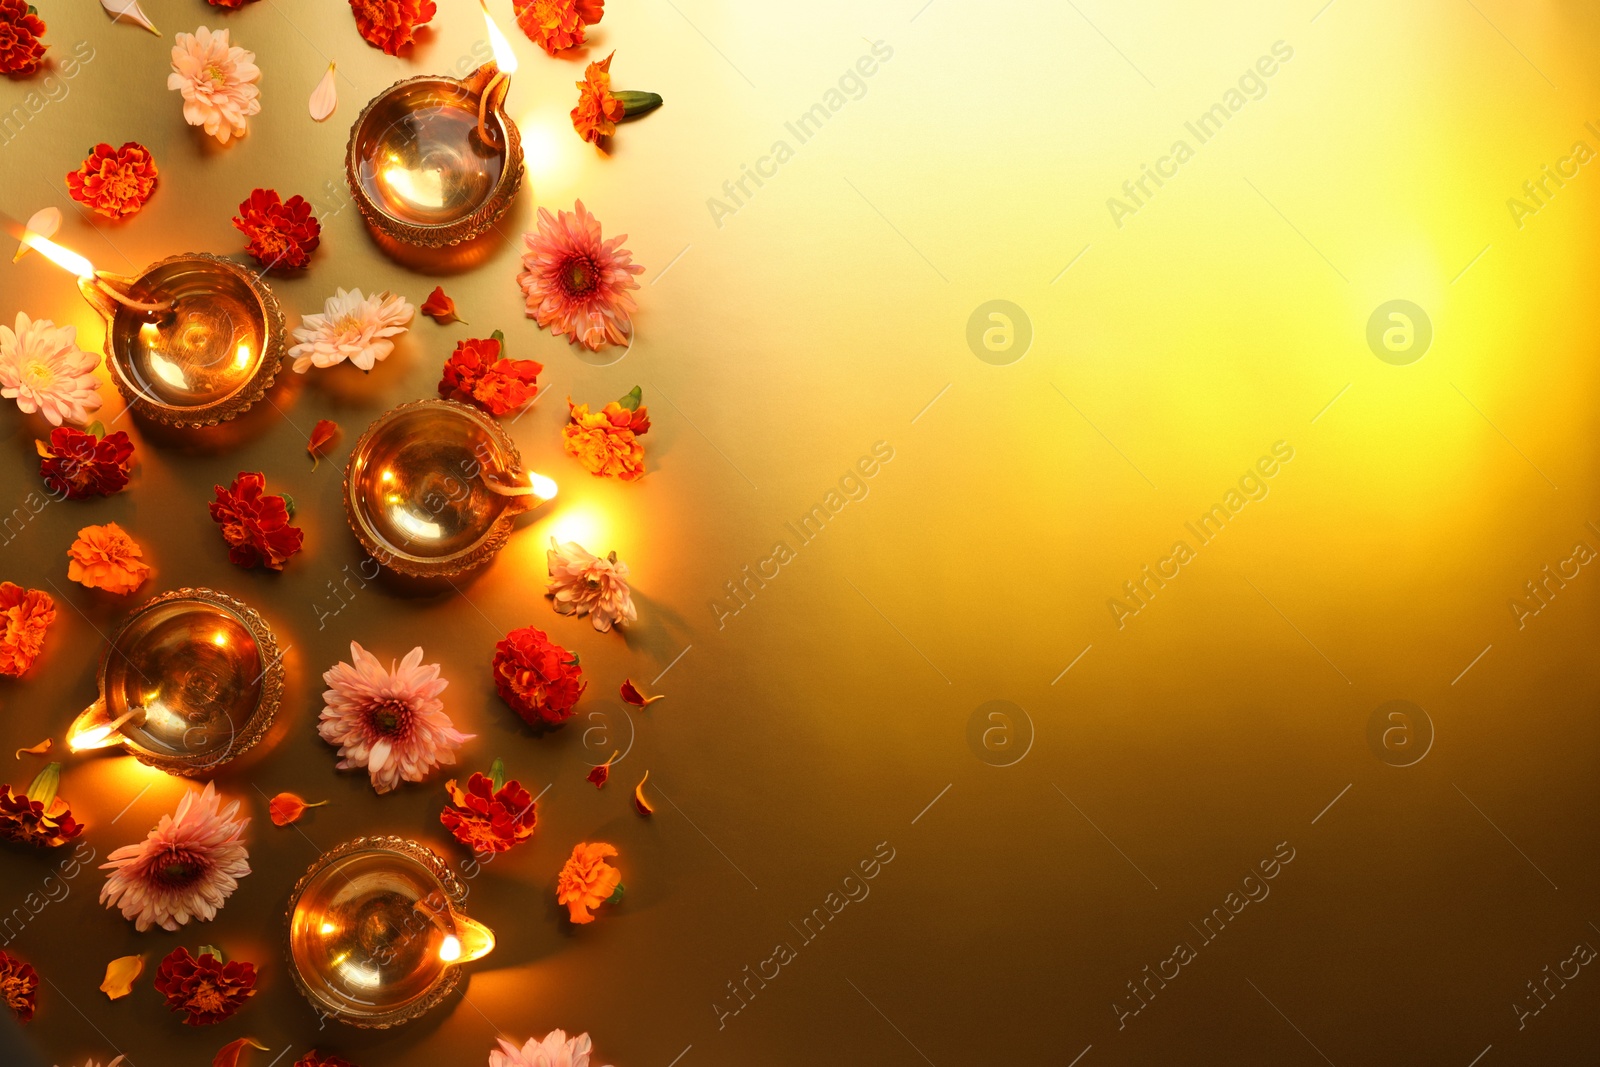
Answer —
(391, 24)
(538, 678)
(486, 819)
(255, 523)
(556, 25)
(283, 233)
(19, 982)
(21, 51)
(476, 374)
(114, 181)
(25, 614)
(229, 3)
(78, 465)
(206, 989)
(38, 816)
(316, 1059)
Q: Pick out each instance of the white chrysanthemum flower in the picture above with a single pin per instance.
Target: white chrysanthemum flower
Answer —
(585, 584)
(556, 1050)
(217, 81)
(351, 327)
(43, 369)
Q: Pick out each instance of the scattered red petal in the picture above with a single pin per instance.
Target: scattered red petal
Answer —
(229, 1056)
(640, 804)
(631, 695)
(440, 308)
(599, 774)
(322, 435)
(286, 808)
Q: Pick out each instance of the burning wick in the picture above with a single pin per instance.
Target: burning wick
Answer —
(102, 735)
(71, 261)
(505, 61)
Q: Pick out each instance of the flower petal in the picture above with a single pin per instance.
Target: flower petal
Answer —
(120, 976)
(286, 808)
(230, 1053)
(44, 223)
(322, 435)
(37, 750)
(326, 96)
(631, 695)
(439, 307)
(129, 10)
(643, 806)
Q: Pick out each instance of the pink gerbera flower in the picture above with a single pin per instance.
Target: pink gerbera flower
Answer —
(391, 722)
(187, 868)
(577, 284)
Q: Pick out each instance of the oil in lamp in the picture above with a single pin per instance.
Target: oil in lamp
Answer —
(187, 682)
(193, 340)
(432, 488)
(434, 161)
(377, 932)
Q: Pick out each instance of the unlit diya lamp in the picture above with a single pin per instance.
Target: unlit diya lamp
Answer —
(434, 160)
(377, 932)
(432, 488)
(189, 681)
(193, 340)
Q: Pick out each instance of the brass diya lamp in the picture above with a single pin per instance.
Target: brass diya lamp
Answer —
(193, 340)
(189, 681)
(432, 488)
(377, 932)
(434, 161)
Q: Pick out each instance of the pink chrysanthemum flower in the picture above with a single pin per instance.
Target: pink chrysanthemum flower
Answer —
(186, 869)
(556, 1050)
(217, 80)
(43, 369)
(391, 722)
(583, 583)
(577, 284)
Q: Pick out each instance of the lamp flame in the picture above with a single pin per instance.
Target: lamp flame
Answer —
(64, 258)
(504, 58)
(544, 487)
(99, 735)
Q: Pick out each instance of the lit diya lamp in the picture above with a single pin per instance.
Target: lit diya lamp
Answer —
(434, 160)
(189, 681)
(194, 340)
(377, 932)
(432, 488)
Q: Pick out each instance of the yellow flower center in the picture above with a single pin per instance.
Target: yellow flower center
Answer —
(15, 992)
(37, 375)
(205, 998)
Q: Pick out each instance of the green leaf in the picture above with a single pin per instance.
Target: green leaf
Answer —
(617, 895)
(97, 428)
(636, 104)
(288, 503)
(45, 784)
(498, 335)
(497, 774)
(632, 401)
(210, 950)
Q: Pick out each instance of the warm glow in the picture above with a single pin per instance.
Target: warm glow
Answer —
(242, 356)
(328, 928)
(504, 57)
(88, 734)
(95, 737)
(220, 639)
(450, 948)
(545, 487)
(61, 257)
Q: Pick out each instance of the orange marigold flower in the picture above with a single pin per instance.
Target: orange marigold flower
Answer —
(114, 181)
(37, 816)
(486, 819)
(556, 25)
(25, 614)
(607, 442)
(587, 880)
(598, 107)
(19, 985)
(105, 557)
(21, 51)
(391, 24)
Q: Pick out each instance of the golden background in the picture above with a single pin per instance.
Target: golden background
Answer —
(840, 707)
